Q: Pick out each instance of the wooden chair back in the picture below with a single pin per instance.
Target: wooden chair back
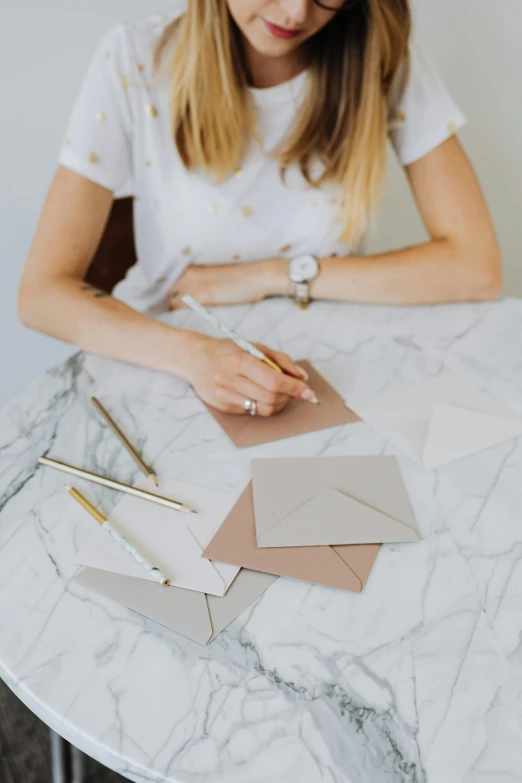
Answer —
(116, 252)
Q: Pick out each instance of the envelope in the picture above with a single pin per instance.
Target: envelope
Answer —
(297, 418)
(196, 615)
(173, 541)
(331, 500)
(439, 420)
(344, 567)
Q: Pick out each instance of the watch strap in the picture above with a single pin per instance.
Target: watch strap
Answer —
(302, 294)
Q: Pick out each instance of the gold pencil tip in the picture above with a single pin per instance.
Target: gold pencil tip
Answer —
(315, 401)
(154, 479)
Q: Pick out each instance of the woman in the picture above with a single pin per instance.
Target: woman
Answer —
(254, 134)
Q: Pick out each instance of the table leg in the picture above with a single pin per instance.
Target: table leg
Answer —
(59, 758)
(77, 765)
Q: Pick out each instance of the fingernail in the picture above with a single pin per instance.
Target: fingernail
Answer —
(304, 375)
(308, 394)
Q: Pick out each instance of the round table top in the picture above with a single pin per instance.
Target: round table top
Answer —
(418, 678)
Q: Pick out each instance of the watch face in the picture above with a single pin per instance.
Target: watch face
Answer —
(302, 269)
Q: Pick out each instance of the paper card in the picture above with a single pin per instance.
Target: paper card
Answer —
(298, 418)
(172, 540)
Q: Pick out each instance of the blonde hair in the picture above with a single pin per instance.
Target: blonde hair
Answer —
(353, 62)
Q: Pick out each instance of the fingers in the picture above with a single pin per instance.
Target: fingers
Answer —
(273, 381)
(285, 362)
(230, 401)
(248, 389)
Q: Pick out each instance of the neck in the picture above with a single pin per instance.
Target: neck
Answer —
(270, 71)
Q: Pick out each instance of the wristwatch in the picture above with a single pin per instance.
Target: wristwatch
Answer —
(301, 271)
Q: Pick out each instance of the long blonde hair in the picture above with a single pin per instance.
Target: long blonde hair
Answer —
(353, 62)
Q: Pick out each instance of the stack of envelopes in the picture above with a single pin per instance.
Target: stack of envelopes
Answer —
(320, 520)
(204, 597)
(207, 592)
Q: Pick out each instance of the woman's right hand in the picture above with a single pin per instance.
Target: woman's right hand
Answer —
(224, 376)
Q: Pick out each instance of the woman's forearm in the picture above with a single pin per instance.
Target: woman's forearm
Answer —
(78, 313)
(434, 272)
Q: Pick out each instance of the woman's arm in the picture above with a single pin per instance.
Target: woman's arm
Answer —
(54, 299)
(460, 262)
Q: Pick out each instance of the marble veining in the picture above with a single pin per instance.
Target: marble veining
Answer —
(416, 680)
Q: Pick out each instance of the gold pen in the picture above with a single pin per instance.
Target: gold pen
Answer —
(149, 473)
(124, 542)
(176, 505)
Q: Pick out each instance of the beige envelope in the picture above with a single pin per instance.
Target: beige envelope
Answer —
(331, 500)
(297, 418)
(196, 615)
(345, 567)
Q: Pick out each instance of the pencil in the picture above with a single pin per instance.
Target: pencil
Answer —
(177, 505)
(232, 335)
(125, 442)
(124, 542)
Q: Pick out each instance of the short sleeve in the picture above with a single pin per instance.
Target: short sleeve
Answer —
(98, 139)
(421, 112)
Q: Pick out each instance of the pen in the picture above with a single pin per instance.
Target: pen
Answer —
(232, 335)
(124, 542)
(177, 505)
(125, 442)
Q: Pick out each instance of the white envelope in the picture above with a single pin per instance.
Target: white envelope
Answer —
(439, 420)
(173, 541)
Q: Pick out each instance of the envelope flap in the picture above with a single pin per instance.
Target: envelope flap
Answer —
(360, 559)
(332, 517)
(245, 589)
(181, 610)
(385, 491)
(457, 432)
(281, 486)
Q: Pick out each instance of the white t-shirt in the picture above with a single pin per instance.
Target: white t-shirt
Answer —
(120, 133)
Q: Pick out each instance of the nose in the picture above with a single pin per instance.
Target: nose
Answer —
(296, 11)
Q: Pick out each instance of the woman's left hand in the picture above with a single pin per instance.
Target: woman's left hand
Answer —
(229, 284)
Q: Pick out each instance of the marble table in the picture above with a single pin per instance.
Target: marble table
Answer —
(417, 679)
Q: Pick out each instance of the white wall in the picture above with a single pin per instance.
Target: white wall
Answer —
(476, 46)
(44, 48)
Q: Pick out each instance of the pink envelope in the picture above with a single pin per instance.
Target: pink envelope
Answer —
(345, 567)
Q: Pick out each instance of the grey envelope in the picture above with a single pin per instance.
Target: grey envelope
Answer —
(199, 616)
(330, 501)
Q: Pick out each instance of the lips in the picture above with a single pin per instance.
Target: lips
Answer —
(281, 32)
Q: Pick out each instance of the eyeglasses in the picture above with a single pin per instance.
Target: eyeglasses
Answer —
(337, 5)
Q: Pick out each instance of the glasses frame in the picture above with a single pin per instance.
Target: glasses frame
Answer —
(347, 5)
